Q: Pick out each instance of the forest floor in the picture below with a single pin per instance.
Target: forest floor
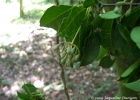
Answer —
(25, 57)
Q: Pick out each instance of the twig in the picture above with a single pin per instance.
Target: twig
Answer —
(101, 4)
(62, 70)
(58, 62)
(64, 81)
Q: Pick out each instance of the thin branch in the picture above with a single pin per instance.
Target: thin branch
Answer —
(58, 62)
(101, 4)
(62, 71)
(64, 81)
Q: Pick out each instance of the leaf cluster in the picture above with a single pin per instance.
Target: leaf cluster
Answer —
(99, 36)
(30, 92)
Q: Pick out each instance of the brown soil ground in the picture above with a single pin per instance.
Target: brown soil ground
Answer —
(31, 61)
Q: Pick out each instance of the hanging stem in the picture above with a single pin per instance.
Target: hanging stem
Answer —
(62, 72)
(61, 66)
(64, 81)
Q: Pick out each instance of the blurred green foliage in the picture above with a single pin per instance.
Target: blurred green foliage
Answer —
(8, 1)
(46, 1)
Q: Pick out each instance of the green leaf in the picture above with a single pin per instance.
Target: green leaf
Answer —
(124, 32)
(121, 43)
(126, 36)
(138, 45)
(106, 62)
(132, 18)
(88, 3)
(98, 22)
(23, 96)
(106, 34)
(54, 15)
(129, 70)
(101, 54)
(82, 36)
(91, 49)
(80, 39)
(29, 88)
(135, 86)
(110, 15)
(134, 76)
(37, 95)
(135, 35)
(132, 50)
(71, 24)
(124, 43)
(135, 50)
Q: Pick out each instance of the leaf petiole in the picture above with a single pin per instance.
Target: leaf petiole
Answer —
(76, 35)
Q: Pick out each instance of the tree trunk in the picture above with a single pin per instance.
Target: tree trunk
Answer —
(121, 65)
(56, 2)
(21, 9)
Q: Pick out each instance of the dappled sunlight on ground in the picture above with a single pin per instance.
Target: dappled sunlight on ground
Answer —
(22, 58)
(18, 31)
(31, 61)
